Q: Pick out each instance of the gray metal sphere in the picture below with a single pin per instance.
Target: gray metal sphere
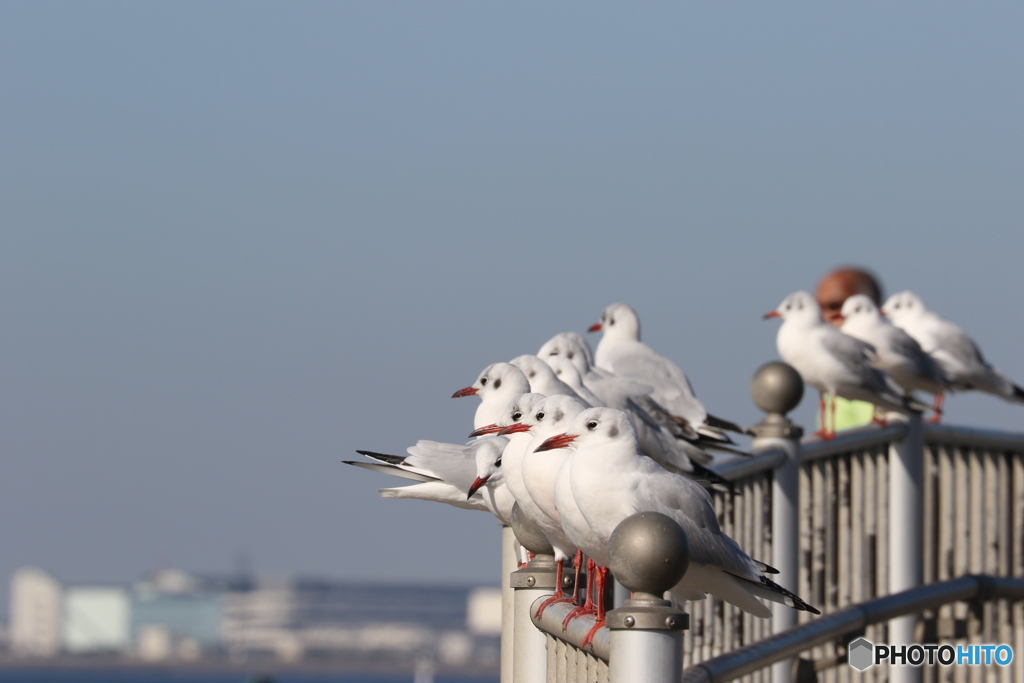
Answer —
(529, 534)
(648, 552)
(777, 388)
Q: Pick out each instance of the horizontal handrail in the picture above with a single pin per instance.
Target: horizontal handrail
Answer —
(856, 439)
(551, 623)
(851, 620)
(760, 461)
(969, 436)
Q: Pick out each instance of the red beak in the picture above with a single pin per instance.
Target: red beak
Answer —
(596, 327)
(556, 441)
(882, 313)
(468, 391)
(772, 314)
(475, 486)
(486, 429)
(514, 428)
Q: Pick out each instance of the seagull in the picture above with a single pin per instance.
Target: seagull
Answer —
(660, 439)
(570, 375)
(549, 416)
(496, 386)
(833, 362)
(542, 378)
(950, 346)
(896, 352)
(621, 352)
(448, 473)
(609, 480)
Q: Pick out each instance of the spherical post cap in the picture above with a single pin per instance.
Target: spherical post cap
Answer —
(529, 534)
(777, 388)
(648, 552)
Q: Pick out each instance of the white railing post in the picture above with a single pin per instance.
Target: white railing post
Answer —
(535, 580)
(509, 564)
(906, 534)
(777, 389)
(648, 553)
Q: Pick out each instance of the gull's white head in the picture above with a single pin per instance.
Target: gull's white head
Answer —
(488, 464)
(595, 427)
(799, 307)
(499, 380)
(859, 306)
(904, 305)
(537, 371)
(569, 345)
(618, 321)
(551, 415)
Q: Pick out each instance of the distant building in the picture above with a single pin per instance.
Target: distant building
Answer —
(37, 614)
(96, 619)
(176, 616)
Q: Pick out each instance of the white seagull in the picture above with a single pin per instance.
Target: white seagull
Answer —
(621, 352)
(610, 480)
(950, 346)
(496, 387)
(833, 362)
(896, 352)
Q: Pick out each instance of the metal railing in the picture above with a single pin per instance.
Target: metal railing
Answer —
(820, 512)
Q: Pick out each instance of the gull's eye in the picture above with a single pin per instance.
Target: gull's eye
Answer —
(539, 416)
(611, 321)
(497, 383)
(517, 416)
(497, 463)
(483, 381)
(569, 355)
(592, 425)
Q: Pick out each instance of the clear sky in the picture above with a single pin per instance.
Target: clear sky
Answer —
(240, 240)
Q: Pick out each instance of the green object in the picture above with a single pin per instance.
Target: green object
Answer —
(848, 413)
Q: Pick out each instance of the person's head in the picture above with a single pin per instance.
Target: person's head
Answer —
(842, 283)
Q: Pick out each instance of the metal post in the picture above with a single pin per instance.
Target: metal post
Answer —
(509, 564)
(535, 580)
(906, 535)
(777, 389)
(648, 553)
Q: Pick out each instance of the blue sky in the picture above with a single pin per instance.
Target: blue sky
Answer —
(241, 240)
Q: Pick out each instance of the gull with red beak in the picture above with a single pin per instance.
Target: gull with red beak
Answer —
(496, 387)
(621, 352)
(538, 473)
(833, 362)
(610, 480)
(896, 352)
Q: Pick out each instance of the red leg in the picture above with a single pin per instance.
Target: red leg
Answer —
(937, 403)
(822, 429)
(588, 604)
(832, 427)
(602, 584)
(578, 567)
(559, 594)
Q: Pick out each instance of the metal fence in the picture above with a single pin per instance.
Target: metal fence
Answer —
(970, 520)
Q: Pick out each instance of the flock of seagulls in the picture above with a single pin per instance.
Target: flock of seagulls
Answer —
(883, 356)
(581, 440)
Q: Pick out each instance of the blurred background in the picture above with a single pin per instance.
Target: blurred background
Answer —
(241, 240)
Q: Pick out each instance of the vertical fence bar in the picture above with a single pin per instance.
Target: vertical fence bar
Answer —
(906, 547)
